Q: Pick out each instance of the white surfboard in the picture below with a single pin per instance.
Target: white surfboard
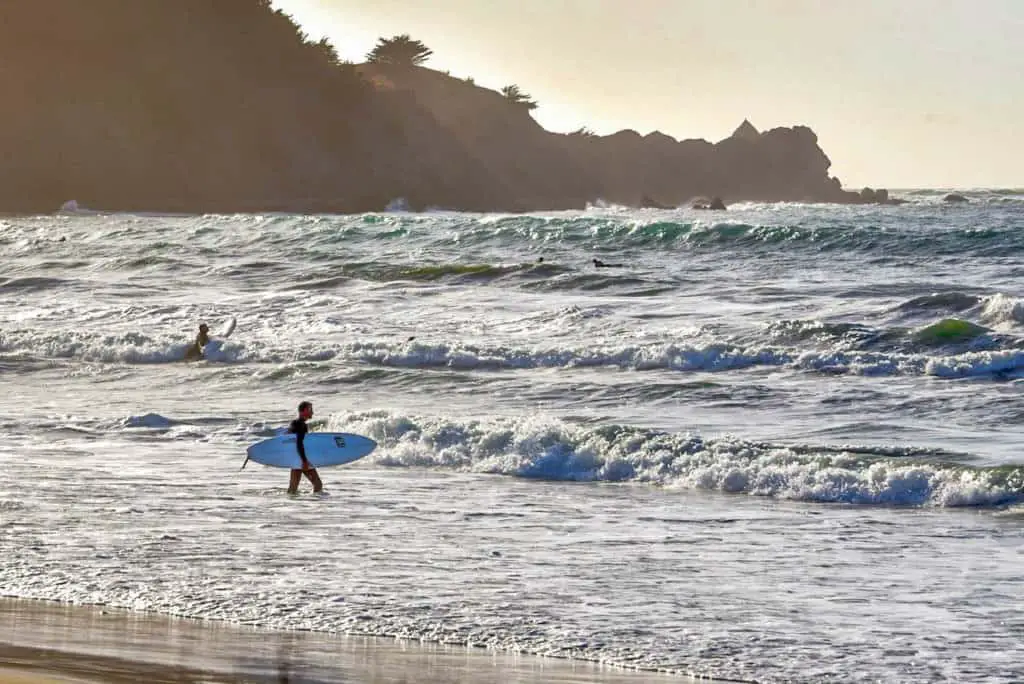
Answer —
(229, 327)
(322, 449)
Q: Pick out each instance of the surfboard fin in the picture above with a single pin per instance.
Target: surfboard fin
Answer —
(244, 463)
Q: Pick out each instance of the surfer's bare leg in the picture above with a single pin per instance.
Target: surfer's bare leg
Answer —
(314, 477)
(293, 481)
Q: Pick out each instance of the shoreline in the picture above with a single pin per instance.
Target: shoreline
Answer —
(44, 642)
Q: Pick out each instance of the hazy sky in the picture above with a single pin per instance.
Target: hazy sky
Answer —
(902, 93)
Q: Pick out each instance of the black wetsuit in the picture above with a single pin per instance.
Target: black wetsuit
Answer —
(299, 429)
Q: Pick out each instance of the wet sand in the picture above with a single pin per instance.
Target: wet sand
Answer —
(43, 642)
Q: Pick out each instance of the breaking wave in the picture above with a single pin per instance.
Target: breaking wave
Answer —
(846, 349)
(547, 449)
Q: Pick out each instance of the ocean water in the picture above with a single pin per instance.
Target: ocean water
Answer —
(778, 444)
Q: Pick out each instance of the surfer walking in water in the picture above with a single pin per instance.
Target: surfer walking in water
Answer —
(299, 428)
(195, 352)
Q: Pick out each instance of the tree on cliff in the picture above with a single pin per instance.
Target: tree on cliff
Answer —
(327, 51)
(400, 51)
(515, 95)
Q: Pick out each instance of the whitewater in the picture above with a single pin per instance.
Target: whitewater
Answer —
(775, 444)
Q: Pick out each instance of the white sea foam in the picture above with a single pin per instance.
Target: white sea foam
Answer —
(1002, 309)
(541, 448)
(132, 348)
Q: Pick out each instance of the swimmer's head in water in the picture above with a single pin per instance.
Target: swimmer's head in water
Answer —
(204, 328)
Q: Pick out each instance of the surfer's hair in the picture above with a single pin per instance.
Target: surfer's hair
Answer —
(303, 405)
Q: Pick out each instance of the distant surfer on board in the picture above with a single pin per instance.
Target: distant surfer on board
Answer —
(299, 428)
(206, 345)
(195, 352)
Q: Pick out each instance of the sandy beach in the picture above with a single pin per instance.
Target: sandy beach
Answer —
(44, 642)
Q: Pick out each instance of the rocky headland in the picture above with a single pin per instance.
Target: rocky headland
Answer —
(198, 106)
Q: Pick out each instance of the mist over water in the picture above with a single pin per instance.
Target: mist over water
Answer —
(825, 396)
